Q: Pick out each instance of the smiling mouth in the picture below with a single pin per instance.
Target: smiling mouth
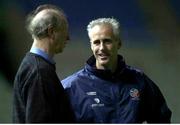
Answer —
(103, 56)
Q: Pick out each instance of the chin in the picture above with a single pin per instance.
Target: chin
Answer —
(103, 63)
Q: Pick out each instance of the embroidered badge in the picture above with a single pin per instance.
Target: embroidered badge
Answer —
(96, 101)
(134, 93)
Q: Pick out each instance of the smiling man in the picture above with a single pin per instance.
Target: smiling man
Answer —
(104, 45)
(107, 90)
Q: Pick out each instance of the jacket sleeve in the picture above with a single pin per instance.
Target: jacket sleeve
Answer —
(156, 108)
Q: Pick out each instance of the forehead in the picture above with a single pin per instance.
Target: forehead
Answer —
(101, 31)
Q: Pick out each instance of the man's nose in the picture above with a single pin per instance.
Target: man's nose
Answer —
(102, 46)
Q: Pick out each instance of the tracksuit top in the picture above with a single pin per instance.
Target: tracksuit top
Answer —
(126, 96)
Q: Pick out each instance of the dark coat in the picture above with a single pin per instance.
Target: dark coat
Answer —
(38, 96)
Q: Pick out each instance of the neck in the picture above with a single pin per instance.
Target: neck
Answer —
(43, 44)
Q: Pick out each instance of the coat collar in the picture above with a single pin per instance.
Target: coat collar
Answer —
(105, 74)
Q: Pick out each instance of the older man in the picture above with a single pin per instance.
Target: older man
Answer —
(38, 96)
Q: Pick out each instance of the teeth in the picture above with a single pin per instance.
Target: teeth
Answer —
(102, 54)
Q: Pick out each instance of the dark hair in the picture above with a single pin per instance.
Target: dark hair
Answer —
(52, 19)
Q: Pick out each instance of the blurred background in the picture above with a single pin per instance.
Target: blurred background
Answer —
(150, 37)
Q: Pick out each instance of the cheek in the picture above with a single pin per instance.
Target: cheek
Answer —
(114, 48)
(94, 49)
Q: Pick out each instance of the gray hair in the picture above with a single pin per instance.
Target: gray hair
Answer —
(38, 25)
(110, 21)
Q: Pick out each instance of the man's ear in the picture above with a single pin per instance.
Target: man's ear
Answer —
(91, 45)
(50, 32)
(119, 44)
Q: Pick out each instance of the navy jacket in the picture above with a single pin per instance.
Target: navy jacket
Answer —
(126, 96)
(38, 96)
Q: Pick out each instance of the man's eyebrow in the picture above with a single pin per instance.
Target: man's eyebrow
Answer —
(97, 40)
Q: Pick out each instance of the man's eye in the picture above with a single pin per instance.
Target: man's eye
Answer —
(107, 40)
(96, 42)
